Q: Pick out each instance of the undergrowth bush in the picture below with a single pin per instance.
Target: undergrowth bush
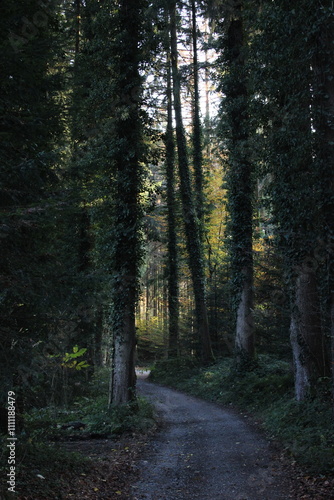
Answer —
(92, 411)
(133, 417)
(306, 429)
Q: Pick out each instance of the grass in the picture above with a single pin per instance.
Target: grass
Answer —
(304, 429)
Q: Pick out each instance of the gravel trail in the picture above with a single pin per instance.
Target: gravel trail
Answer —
(205, 452)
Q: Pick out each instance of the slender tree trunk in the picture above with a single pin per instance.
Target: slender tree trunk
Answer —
(98, 339)
(207, 126)
(147, 301)
(173, 275)
(240, 186)
(197, 130)
(192, 230)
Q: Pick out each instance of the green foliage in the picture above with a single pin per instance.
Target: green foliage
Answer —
(40, 424)
(306, 429)
(92, 411)
(46, 297)
(269, 380)
(135, 416)
(69, 359)
(150, 340)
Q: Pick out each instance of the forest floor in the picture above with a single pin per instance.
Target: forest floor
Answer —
(199, 451)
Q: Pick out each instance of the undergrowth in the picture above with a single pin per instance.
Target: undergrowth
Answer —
(41, 468)
(39, 454)
(305, 429)
(90, 414)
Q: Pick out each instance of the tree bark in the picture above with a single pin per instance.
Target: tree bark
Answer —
(192, 230)
(306, 335)
(128, 217)
(240, 188)
(244, 340)
(197, 130)
(173, 275)
(123, 379)
(323, 67)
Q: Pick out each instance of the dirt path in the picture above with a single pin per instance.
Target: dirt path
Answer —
(205, 452)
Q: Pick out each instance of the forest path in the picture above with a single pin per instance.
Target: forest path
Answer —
(205, 452)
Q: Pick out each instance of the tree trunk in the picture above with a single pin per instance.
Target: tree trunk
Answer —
(128, 217)
(244, 340)
(323, 66)
(197, 131)
(306, 335)
(173, 275)
(192, 230)
(240, 188)
(123, 378)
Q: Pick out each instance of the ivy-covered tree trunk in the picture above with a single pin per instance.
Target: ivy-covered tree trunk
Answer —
(290, 154)
(192, 229)
(127, 154)
(240, 186)
(173, 275)
(305, 333)
(323, 66)
(197, 129)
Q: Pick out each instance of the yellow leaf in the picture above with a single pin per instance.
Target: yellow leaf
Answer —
(96, 489)
(118, 492)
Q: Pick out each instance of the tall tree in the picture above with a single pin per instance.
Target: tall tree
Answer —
(197, 128)
(192, 229)
(128, 157)
(290, 157)
(323, 114)
(239, 180)
(31, 169)
(109, 127)
(173, 275)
